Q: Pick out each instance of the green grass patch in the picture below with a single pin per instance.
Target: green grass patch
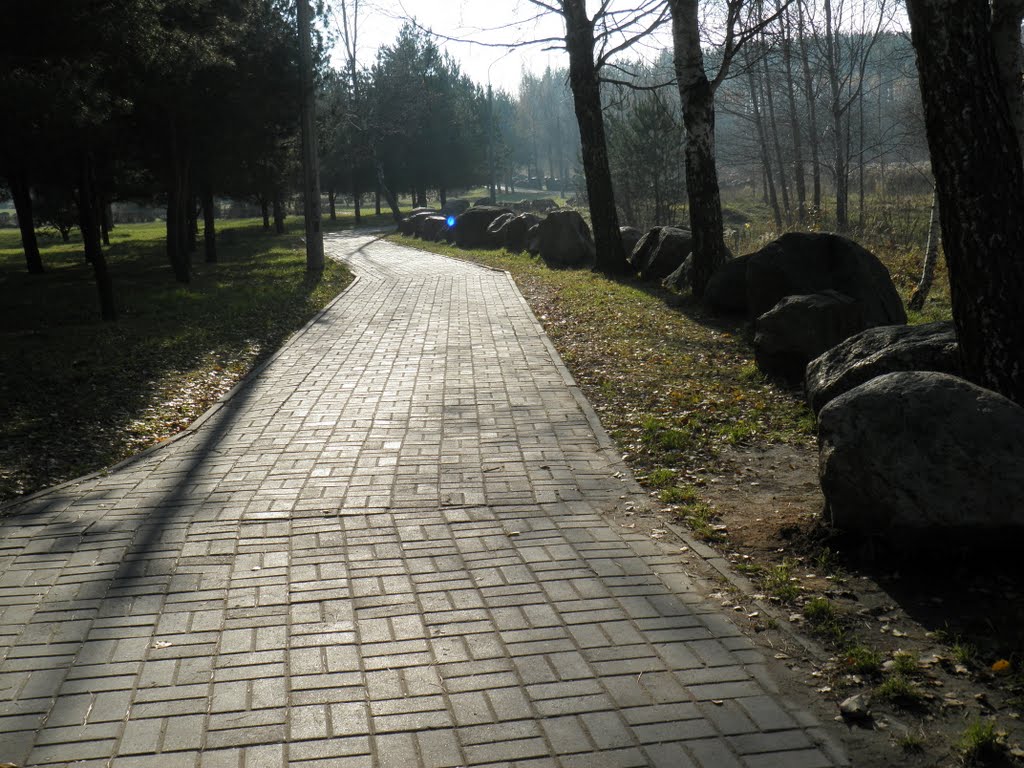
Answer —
(862, 660)
(79, 394)
(778, 582)
(904, 663)
(824, 620)
(700, 518)
(912, 742)
(900, 691)
(980, 744)
(661, 478)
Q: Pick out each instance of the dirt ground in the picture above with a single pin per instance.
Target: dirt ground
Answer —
(954, 614)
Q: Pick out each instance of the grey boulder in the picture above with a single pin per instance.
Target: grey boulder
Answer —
(726, 291)
(471, 226)
(563, 239)
(411, 224)
(630, 237)
(660, 252)
(516, 229)
(801, 263)
(877, 351)
(433, 227)
(799, 328)
(921, 452)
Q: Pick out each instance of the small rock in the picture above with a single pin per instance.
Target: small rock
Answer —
(855, 708)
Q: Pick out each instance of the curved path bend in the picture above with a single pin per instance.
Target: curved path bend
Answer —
(385, 549)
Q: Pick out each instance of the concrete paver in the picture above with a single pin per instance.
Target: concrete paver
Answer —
(385, 549)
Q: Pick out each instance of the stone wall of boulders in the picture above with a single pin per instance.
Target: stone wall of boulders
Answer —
(561, 237)
(908, 450)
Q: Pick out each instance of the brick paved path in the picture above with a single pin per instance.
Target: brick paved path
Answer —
(386, 550)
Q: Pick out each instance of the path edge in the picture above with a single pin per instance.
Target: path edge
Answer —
(8, 506)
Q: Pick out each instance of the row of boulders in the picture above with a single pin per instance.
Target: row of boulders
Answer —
(561, 238)
(804, 293)
(906, 446)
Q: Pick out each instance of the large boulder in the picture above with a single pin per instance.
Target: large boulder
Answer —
(660, 252)
(803, 263)
(641, 252)
(454, 207)
(922, 452)
(496, 230)
(564, 240)
(433, 228)
(682, 278)
(515, 231)
(411, 224)
(726, 291)
(877, 351)
(630, 236)
(533, 240)
(471, 226)
(799, 328)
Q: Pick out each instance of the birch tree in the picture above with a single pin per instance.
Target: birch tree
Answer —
(697, 95)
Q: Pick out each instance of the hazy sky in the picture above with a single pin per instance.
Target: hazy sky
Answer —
(494, 21)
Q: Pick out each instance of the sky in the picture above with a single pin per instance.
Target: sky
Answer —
(499, 22)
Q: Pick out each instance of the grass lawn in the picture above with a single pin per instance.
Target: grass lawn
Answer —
(78, 394)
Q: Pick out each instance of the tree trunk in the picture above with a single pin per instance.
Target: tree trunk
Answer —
(812, 112)
(442, 195)
(209, 223)
(586, 94)
(104, 217)
(376, 197)
(355, 199)
(177, 214)
(860, 164)
(88, 222)
(278, 213)
(698, 102)
(774, 130)
(1006, 21)
(979, 179)
(331, 197)
(265, 211)
(193, 224)
(840, 148)
(108, 221)
(22, 195)
(931, 257)
(766, 161)
(798, 153)
(396, 212)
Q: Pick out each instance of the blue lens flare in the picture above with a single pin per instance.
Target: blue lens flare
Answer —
(450, 221)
